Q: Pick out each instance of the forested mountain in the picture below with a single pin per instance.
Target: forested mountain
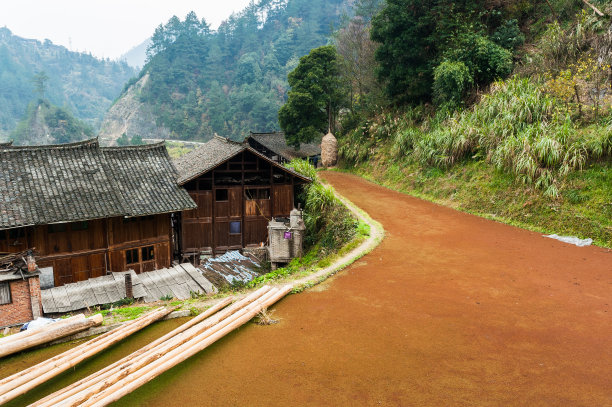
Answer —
(234, 79)
(80, 82)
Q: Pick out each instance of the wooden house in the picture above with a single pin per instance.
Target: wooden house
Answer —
(86, 210)
(274, 146)
(237, 190)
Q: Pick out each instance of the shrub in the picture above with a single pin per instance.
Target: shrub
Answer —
(508, 35)
(328, 223)
(451, 80)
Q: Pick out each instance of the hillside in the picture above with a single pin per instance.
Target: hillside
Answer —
(82, 83)
(45, 123)
(503, 110)
(232, 80)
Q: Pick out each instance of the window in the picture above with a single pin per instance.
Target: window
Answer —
(5, 293)
(234, 228)
(148, 253)
(80, 226)
(58, 227)
(221, 195)
(16, 233)
(259, 193)
(131, 256)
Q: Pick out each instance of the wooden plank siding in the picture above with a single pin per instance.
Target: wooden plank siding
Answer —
(78, 251)
(235, 201)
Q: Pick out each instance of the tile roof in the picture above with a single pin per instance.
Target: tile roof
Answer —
(214, 152)
(276, 142)
(204, 158)
(80, 181)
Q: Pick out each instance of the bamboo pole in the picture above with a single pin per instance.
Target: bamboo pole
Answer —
(40, 367)
(160, 346)
(48, 335)
(171, 359)
(23, 383)
(66, 392)
(140, 365)
(29, 332)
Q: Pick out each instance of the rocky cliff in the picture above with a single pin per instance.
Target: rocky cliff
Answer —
(130, 116)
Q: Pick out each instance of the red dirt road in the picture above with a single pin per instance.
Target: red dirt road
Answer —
(450, 309)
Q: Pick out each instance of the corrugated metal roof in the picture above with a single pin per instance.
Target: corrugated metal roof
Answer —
(177, 282)
(230, 267)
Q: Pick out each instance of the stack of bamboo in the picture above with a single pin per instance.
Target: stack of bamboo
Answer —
(30, 338)
(142, 366)
(20, 383)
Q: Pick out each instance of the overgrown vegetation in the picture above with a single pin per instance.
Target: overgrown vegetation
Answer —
(534, 149)
(232, 80)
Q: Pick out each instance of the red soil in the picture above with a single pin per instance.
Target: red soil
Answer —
(450, 309)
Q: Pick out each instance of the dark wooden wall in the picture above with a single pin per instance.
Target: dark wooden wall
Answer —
(245, 190)
(81, 250)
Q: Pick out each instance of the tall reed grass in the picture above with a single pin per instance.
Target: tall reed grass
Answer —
(517, 127)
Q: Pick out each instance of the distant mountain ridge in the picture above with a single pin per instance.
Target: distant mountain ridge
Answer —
(229, 81)
(136, 56)
(80, 82)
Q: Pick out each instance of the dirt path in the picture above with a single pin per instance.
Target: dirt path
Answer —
(450, 309)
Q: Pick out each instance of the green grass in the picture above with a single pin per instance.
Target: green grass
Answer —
(123, 314)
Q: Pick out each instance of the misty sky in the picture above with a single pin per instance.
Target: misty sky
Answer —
(106, 28)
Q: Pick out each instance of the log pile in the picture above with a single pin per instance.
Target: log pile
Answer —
(60, 329)
(14, 261)
(142, 366)
(20, 383)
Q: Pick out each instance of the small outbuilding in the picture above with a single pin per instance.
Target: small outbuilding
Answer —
(20, 300)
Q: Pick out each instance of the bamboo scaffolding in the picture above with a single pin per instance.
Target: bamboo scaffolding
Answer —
(181, 353)
(20, 383)
(53, 332)
(81, 390)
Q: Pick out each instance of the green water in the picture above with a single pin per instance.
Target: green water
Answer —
(15, 363)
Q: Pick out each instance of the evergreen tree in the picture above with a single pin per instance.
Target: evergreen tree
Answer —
(314, 96)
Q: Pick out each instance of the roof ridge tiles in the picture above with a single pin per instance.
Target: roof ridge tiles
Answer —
(93, 142)
(148, 146)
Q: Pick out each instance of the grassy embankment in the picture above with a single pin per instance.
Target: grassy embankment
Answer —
(518, 156)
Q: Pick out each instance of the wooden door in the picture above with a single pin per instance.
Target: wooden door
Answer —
(283, 199)
(196, 228)
(80, 268)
